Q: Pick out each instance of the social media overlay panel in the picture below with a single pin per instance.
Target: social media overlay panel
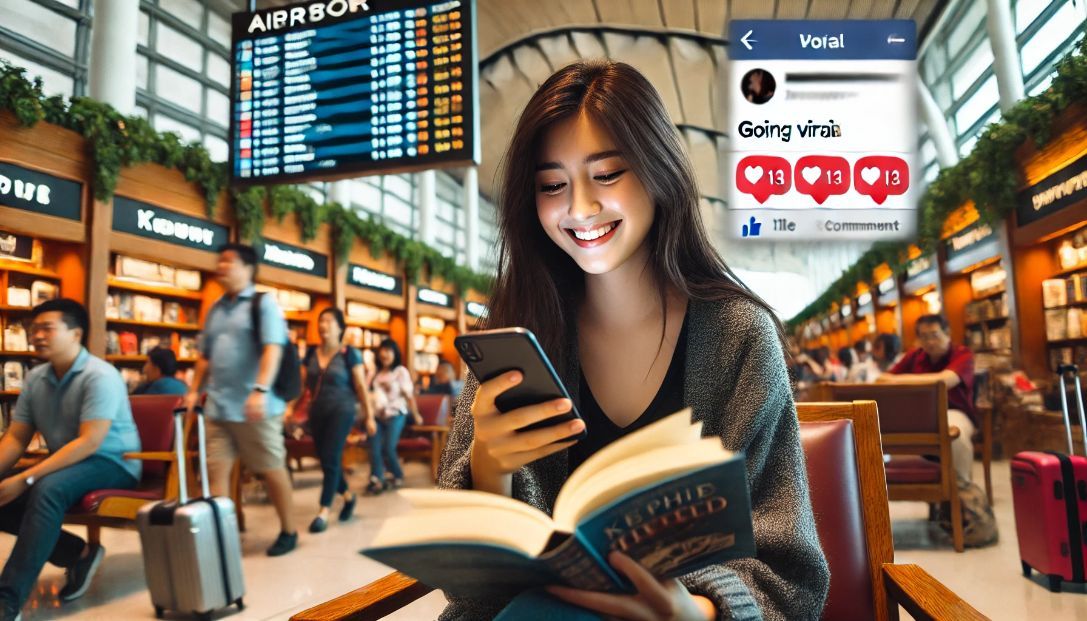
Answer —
(822, 129)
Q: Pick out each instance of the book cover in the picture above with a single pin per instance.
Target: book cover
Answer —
(673, 508)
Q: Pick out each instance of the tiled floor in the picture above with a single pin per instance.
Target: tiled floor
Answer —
(328, 565)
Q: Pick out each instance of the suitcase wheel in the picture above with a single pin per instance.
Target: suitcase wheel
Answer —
(160, 612)
(1026, 569)
(240, 603)
(1055, 584)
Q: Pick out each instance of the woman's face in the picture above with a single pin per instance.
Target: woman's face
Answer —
(328, 328)
(588, 199)
(877, 351)
(386, 356)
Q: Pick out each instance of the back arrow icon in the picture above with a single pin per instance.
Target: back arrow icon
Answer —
(745, 41)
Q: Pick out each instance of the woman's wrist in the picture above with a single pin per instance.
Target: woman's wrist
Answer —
(486, 476)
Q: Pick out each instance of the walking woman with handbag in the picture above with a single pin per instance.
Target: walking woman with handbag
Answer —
(335, 379)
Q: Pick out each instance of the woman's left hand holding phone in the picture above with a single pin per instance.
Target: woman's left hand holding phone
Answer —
(499, 447)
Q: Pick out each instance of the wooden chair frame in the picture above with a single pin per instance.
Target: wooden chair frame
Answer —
(910, 586)
(918, 444)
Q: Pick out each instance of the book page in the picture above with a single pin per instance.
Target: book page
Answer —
(675, 429)
(502, 525)
(657, 465)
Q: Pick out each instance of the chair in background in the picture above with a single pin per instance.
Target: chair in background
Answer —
(117, 508)
(425, 442)
(913, 426)
(845, 474)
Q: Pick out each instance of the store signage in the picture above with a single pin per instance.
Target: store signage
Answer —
(301, 16)
(918, 266)
(367, 278)
(160, 224)
(977, 242)
(1057, 191)
(977, 234)
(17, 247)
(278, 254)
(31, 190)
(475, 309)
(864, 299)
(436, 298)
(887, 286)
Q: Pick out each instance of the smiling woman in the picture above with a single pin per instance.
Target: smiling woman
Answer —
(604, 256)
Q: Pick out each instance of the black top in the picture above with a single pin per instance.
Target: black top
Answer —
(602, 431)
(334, 384)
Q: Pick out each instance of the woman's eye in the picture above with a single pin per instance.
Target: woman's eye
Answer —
(609, 177)
(552, 188)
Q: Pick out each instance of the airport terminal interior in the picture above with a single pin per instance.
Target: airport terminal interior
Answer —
(350, 198)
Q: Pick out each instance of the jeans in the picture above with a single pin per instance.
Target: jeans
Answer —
(383, 447)
(35, 518)
(329, 424)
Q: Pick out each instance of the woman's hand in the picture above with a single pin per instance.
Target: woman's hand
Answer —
(498, 437)
(371, 426)
(656, 600)
(417, 418)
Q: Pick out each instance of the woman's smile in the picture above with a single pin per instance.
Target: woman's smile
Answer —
(594, 235)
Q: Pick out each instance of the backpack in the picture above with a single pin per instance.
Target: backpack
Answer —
(978, 521)
(287, 384)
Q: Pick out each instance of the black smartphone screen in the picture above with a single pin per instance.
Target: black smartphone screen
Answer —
(491, 353)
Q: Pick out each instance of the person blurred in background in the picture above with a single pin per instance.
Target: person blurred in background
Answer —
(335, 379)
(158, 374)
(444, 382)
(394, 399)
(864, 369)
(939, 360)
(845, 364)
(886, 351)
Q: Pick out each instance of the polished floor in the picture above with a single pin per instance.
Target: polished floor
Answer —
(328, 564)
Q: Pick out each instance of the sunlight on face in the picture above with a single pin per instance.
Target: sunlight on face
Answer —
(588, 199)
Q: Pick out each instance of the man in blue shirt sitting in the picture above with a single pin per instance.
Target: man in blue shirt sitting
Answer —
(78, 403)
(158, 374)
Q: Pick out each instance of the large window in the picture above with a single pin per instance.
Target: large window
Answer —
(50, 39)
(390, 199)
(183, 70)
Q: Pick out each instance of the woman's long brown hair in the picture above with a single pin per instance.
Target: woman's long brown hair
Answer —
(538, 286)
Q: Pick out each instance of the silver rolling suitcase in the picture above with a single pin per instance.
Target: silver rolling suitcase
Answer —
(192, 554)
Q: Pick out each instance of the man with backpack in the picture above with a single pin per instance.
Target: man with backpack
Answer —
(249, 371)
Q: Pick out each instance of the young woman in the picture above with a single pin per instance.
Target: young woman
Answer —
(603, 255)
(336, 380)
(394, 400)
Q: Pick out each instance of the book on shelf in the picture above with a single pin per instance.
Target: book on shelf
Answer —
(15, 338)
(146, 308)
(43, 291)
(1054, 292)
(151, 341)
(129, 343)
(187, 347)
(18, 296)
(113, 342)
(671, 500)
(171, 312)
(14, 371)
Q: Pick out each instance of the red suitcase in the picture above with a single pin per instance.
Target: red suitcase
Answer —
(1049, 491)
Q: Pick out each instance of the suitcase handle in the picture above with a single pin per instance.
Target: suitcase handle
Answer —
(1066, 370)
(201, 451)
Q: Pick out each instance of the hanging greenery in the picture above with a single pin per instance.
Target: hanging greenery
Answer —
(987, 176)
(249, 212)
(114, 141)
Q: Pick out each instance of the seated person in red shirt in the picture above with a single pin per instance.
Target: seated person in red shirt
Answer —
(940, 360)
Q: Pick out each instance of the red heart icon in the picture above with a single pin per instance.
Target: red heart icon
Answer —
(880, 176)
(820, 176)
(763, 175)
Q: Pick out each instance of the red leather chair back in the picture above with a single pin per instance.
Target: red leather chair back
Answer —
(154, 417)
(434, 409)
(836, 499)
(903, 408)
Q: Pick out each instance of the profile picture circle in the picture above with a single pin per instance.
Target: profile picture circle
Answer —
(758, 86)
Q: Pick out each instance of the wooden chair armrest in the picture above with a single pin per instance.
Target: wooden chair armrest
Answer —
(156, 455)
(373, 601)
(430, 427)
(925, 597)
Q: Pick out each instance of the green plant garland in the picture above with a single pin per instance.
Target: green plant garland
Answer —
(987, 176)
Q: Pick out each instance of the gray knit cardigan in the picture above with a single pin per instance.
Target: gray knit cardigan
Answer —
(736, 384)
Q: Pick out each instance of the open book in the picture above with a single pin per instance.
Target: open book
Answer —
(663, 495)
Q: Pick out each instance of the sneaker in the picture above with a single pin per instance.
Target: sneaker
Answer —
(348, 508)
(375, 486)
(285, 542)
(318, 525)
(80, 574)
(396, 483)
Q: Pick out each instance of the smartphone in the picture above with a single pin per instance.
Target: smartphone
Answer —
(490, 353)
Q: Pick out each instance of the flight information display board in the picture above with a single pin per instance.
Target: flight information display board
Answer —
(340, 88)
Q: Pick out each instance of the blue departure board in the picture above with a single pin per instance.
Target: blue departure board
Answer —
(345, 88)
